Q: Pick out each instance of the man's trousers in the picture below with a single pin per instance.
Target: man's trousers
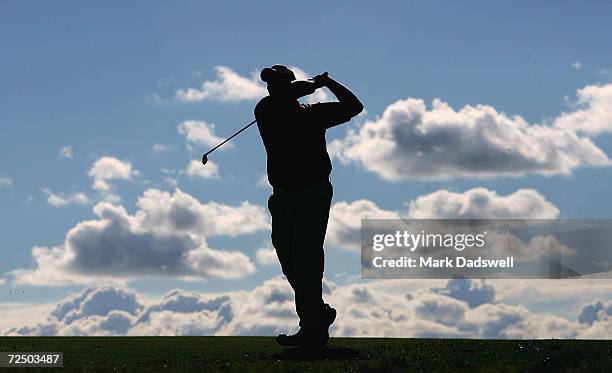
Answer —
(299, 223)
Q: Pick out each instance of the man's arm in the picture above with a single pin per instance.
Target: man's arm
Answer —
(350, 103)
(335, 113)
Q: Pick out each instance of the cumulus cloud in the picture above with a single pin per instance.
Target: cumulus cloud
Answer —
(181, 212)
(597, 317)
(196, 169)
(592, 112)
(266, 255)
(230, 86)
(441, 312)
(97, 301)
(477, 203)
(594, 312)
(105, 310)
(345, 222)
(461, 309)
(6, 182)
(410, 141)
(201, 133)
(165, 237)
(181, 301)
(66, 152)
(471, 292)
(107, 169)
(62, 199)
(482, 203)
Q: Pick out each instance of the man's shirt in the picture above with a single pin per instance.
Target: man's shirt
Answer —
(294, 137)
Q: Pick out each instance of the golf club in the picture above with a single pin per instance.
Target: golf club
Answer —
(205, 156)
(300, 88)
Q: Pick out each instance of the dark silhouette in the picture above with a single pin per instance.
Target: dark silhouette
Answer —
(298, 169)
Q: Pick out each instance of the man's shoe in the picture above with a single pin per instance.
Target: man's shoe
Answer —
(311, 338)
(329, 314)
(303, 338)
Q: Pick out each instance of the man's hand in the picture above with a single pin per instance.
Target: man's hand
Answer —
(350, 105)
(321, 80)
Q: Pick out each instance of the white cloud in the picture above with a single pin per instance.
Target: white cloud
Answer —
(266, 255)
(181, 212)
(471, 292)
(592, 114)
(97, 301)
(229, 86)
(6, 182)
(106, 169)
(460, 309)
(66, 152)
(482, 203)
(345, 218)
(62, 199)
(439, 312)
(184, 302)
(595, 312)
(563, 297)
(196, 169)
(411, 141)
(576, 65)
(165, 237)
(345, 222)
(15, 314)
(162, 148)
(201, 133)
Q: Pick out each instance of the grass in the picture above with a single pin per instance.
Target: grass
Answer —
(255, 354)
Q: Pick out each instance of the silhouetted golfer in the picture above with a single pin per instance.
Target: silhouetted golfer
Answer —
(298, 170)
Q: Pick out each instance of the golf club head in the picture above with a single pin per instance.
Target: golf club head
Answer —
(204, 159)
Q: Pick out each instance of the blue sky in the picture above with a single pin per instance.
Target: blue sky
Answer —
(103, 78)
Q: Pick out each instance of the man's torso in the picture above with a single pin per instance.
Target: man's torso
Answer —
(294, 139)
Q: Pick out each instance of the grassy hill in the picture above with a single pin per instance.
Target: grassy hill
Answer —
(253, 354)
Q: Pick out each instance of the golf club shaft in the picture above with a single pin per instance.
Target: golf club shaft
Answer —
(229, 138)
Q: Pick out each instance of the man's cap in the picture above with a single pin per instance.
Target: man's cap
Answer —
(277, 74)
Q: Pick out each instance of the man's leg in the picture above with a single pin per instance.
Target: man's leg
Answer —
(309, 227)
(282, 211)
